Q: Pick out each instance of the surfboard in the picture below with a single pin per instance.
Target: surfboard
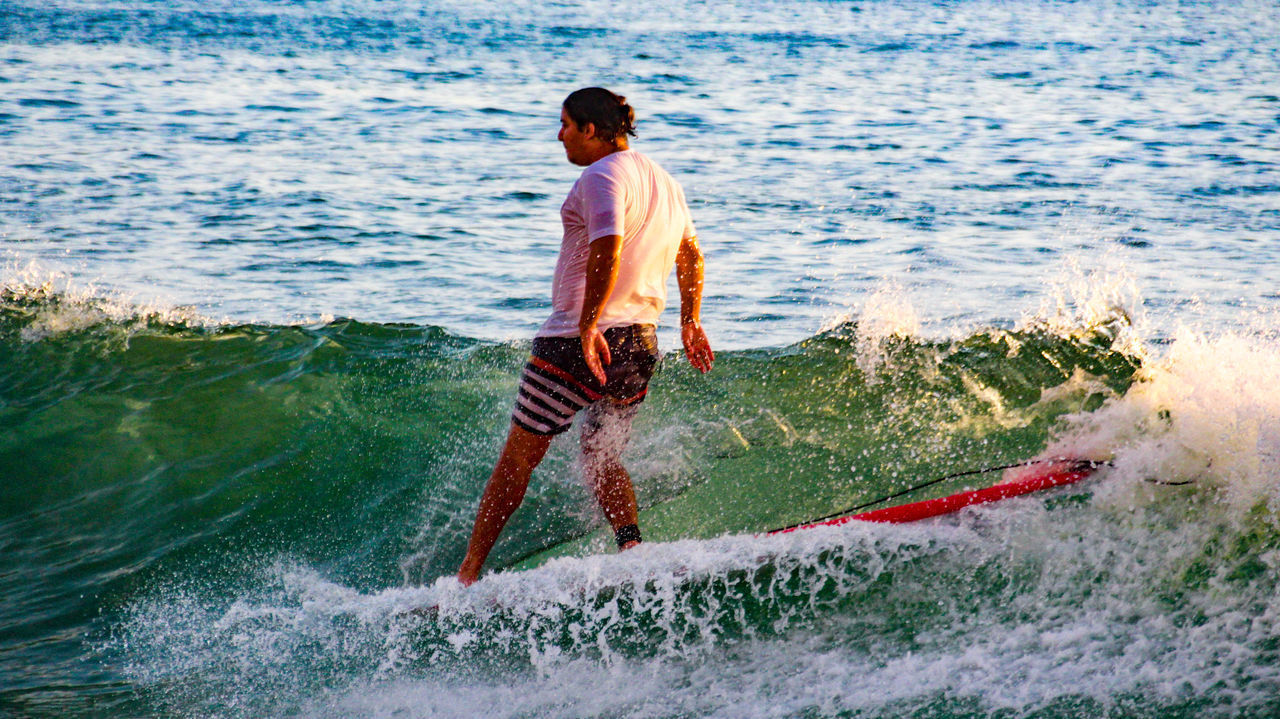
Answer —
(1030, 478)
(1033, 476)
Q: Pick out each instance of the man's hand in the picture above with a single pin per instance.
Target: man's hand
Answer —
(696, 346)
(596, 351)
(689, 276)
(602, 274)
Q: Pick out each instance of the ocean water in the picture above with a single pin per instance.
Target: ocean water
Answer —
(269, 271)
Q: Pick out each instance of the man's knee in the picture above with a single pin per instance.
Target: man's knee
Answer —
(602, 449)
(524, 449)
(607, 428)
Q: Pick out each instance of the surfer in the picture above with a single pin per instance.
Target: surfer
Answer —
(626, 225)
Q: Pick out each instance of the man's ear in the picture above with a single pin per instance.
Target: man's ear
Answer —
(589, 130)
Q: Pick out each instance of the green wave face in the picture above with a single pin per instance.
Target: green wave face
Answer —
(193, 509)
(782, 436)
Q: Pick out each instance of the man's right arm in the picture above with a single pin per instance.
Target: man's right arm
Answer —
(689, 277)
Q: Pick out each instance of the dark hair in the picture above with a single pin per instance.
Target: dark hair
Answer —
(610, 113)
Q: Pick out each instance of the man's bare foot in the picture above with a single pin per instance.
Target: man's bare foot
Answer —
(467, 577)
(430, 612)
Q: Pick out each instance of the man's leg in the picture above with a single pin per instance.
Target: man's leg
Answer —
(605, 432)
(502, 495)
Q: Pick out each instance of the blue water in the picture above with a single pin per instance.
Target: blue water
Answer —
(397, 162)
(270, 269)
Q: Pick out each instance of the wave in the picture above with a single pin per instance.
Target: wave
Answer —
(282, 505)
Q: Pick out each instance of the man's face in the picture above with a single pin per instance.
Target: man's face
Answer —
(575, 139)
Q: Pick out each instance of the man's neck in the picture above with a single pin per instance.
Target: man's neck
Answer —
(606, 149)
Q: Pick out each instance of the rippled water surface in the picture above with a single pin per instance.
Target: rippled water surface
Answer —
(397, 161)
(269, 270)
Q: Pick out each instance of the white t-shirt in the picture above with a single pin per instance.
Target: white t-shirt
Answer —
(627, 194)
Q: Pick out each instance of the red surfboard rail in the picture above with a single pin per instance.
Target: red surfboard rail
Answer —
(1032, 478)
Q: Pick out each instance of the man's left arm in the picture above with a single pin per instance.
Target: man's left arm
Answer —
(689, 276)
(602, 274)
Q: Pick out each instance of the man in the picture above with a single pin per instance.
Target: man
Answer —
(625, 226)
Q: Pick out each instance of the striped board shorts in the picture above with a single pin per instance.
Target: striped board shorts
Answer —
(556, 382)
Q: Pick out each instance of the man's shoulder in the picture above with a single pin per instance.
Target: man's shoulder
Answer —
(627, 172)
(623, 161)
(610, 169)
(629, 163)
